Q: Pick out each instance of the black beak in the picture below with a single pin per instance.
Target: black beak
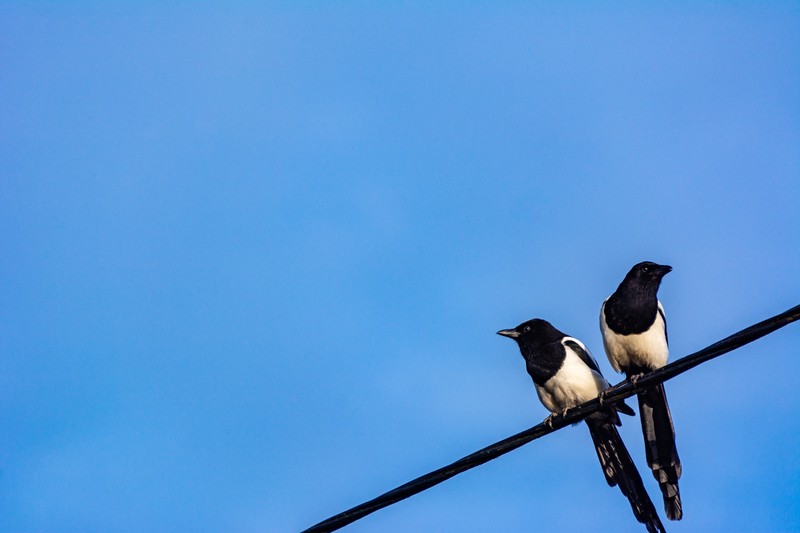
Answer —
(510, 333)
(663, 270)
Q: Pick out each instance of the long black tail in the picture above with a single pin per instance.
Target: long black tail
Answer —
(619, 469)
(659, 446)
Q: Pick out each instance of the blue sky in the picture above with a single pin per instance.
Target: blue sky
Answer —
(255, 256)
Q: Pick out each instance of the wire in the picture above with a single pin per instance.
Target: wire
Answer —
(611, 395)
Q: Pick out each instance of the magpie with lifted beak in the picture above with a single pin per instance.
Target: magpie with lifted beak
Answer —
(634, 332)
(565, 375)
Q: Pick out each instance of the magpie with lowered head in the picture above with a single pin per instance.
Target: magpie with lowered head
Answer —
(565, 375)
(634, 332)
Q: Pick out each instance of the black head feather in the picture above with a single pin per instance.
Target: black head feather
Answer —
(633, 306)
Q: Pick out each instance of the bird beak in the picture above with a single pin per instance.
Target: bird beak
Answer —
(510, 333)
(663, 270)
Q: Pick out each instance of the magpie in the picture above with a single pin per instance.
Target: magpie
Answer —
(634, 332)
(565, 375)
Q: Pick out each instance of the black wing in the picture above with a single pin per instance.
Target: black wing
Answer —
(581, 352)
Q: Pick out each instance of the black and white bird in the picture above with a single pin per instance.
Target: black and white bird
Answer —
(635, 338)
(565, 375)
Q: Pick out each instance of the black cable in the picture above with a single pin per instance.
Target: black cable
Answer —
(613, 394)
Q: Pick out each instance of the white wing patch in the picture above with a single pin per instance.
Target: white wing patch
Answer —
(586, 356)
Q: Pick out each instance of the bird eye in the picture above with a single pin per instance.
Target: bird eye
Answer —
(526, 329)
(646, 268)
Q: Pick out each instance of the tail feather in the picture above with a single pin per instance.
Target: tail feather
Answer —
(619, 469)
(660, 449)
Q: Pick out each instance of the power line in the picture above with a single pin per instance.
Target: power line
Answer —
(613, 394)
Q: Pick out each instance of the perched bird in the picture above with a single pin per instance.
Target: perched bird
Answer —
(635, 338)
(565, 375)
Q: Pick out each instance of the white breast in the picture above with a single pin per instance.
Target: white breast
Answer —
(573, 384)
(648, 349)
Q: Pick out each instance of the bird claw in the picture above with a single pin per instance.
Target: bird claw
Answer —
(549, 420)
(602, 397)
(634, 379)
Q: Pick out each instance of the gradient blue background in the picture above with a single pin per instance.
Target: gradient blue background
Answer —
(254, 257)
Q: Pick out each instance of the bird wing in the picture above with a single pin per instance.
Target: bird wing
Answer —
(580, 350)
(664, 318)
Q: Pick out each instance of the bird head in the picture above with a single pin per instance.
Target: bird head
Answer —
(532, 332)
(648, 273)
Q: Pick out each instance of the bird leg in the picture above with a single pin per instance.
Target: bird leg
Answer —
(634, 378)
(549, 420)
(602, 397)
